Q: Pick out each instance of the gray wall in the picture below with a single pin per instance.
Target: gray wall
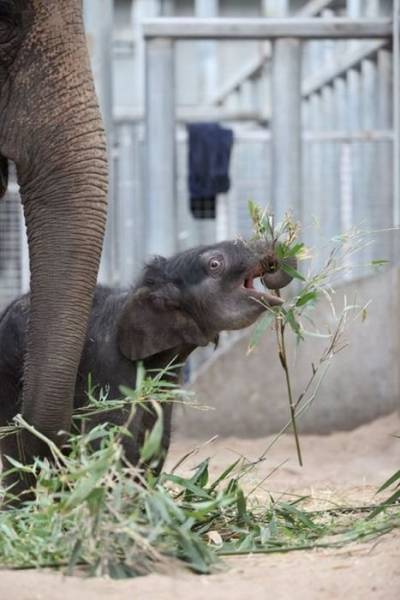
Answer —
(248, 391)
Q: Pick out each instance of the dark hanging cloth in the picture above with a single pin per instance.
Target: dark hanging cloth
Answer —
(210, 148)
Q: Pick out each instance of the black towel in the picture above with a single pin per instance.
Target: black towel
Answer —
(210, 148)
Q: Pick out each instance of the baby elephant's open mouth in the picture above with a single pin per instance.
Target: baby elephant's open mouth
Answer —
(262, 296)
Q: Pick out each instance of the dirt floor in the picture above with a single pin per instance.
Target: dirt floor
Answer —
(342, 467)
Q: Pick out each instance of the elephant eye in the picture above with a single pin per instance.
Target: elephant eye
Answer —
(216, 265)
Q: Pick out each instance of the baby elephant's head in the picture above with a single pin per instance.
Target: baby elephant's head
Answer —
(188, 299)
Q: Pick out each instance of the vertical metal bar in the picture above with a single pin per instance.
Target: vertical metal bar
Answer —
(130, 222)
(329, 193)
(141, 9)
(313, 217)
(376, 215)
(277, 8)
(367, 213)
(312, 157)
(286, 127)
(160, 164)
(206, 229)
(207, 51)
(330, 199)
(345, 183)
(384, 162)
(396, 112)
(98, 16)
(354, 10)
(307, 188)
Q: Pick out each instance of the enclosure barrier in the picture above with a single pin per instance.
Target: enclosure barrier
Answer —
(288, 93)
(337, 135)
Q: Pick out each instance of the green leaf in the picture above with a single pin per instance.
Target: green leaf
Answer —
(280, 251)
(379, 262)
(305, 298)
(294, 250)
(140, 375)
(128, 392)
(395, 477)
(292, 272)
(224, 474)
(260, 329)
(19, 466)
(295, 325)
(254, 210)
(287, 509)
(152, 443)
(241, 504)
(187, 484)
(201, 475)
(394, 498)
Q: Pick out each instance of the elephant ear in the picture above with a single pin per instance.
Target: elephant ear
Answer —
(3, 175)
(153, 322)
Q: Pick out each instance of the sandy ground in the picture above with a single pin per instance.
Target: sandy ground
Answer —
(342, 467)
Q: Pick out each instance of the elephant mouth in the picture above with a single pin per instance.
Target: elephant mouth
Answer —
(261, 296)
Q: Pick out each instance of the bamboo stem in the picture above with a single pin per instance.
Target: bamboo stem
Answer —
(280, 332)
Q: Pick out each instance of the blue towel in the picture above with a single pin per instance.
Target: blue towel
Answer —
(210, 148)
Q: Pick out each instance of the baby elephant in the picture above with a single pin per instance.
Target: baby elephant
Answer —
(178, 304)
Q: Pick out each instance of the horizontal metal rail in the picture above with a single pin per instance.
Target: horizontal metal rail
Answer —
(124, 117)
(347, 137)
(184, 115)
(263, 29)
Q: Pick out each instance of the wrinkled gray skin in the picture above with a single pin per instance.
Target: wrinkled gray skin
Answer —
(50, 127)
(177, 305)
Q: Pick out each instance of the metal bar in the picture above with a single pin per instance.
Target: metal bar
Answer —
(311, 217)
(130, 242)
(207, 76)
(344, 177)
(98, 16)
(384, 164)
(207, 51)
(330, 193)
(396, 113)
(286, 127)
(338, 28)
(189, 115)
(160, 161)
(349, 61)
(344, 137)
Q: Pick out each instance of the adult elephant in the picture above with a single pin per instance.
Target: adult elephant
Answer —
(51, 128)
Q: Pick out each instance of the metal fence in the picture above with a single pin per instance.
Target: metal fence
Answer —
(316, 123)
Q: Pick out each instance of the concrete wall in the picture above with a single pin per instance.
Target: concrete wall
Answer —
(248, 392)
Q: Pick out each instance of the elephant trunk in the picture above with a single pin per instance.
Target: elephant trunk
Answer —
(59, 148)
(65, 239)
(274, 276)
